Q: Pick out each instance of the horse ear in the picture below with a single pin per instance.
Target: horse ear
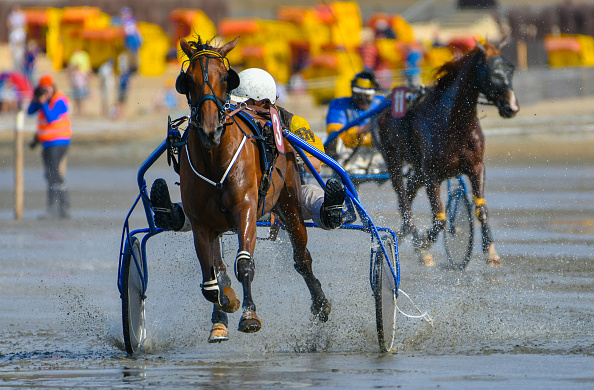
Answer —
(480, 46)
(228, 47)
(186, 48)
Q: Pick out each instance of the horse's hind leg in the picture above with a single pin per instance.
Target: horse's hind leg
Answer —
(289, 211)
(397, 180)
(413, 184)
(439, 219)
(477, 180)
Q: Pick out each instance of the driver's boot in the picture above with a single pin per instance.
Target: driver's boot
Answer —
(331, 210)
(167, 215)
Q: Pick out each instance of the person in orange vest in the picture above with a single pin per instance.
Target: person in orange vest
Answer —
(53, 132)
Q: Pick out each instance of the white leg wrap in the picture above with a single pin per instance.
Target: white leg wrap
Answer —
(240, 256)
(210, 285)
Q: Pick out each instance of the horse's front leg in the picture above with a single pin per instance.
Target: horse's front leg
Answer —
(219, 318)
(215, 284)
(245, 219)
(288, 207)
(477, 180)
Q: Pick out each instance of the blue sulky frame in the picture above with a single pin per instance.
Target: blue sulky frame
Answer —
(354, 208)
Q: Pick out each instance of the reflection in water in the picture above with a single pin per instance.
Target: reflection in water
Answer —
(132, 375)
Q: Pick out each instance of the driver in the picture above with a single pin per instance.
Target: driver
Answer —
(346, 109)
(257, 87)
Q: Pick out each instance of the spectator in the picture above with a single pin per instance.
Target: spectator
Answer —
(124, 83)
(368, 51)
(17, 36)
(384, 30)
(30, 59)
(132, 37)
(106, 83)
(53, 132)
(79, 69)
(412, 72)
(14, 90)
(166, 98)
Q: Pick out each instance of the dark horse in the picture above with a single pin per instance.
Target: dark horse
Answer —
(440, 137)
(220, 175)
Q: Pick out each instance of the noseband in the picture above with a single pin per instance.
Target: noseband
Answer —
(182, 87)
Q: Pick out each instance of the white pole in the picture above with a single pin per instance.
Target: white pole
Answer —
(18, 165)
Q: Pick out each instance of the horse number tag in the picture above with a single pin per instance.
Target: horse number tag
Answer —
(278, 131)
(399, 101)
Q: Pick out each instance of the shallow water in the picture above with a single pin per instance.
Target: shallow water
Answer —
(527, 324)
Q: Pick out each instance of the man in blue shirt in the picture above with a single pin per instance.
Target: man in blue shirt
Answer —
(346, 109)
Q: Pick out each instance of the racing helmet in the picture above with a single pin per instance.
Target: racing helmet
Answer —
(364, 82)
(254, 83)
(363, 87)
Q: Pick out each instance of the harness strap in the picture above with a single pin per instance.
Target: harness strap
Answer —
(218, 185)
(232, 113)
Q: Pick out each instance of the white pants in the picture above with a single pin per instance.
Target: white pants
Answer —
(313, 198)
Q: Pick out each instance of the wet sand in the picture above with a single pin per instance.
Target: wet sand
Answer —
(527, 324)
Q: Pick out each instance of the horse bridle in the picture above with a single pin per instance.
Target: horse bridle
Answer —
(485, 82)
(181, 85)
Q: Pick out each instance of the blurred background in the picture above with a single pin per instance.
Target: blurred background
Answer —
(312, 48)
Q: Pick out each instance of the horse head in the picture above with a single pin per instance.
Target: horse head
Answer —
(495, 74)
(206, 82)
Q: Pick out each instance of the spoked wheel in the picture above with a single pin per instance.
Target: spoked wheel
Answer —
(459, 231)
(133, 297)
(384, 292)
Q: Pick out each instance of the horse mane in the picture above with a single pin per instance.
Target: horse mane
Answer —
(448, 72)
(199, 45)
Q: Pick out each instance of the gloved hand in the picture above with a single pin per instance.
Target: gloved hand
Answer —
(33, 142)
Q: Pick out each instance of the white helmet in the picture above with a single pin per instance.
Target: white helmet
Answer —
(254, 83)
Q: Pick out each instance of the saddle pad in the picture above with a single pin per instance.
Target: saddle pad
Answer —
(398, 97)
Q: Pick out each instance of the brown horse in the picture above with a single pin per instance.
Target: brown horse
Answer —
(220, 176)
(440, 137)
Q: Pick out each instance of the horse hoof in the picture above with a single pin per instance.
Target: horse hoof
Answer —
(427, 260)
(493, 259)
(233, 304)
(323, 311)
(249, 323)
(218, 333)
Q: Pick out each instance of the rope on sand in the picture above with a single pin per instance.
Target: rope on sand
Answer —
(423, 315)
